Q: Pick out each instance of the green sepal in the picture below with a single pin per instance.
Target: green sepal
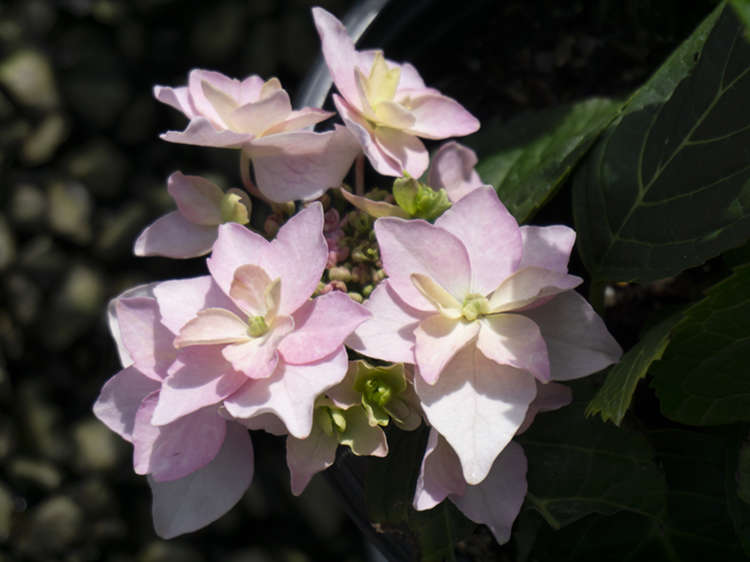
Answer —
(420, 200)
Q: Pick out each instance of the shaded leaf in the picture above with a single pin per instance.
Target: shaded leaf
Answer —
(742, 7)
(703, 377)
(579, 466)
(613, 398)
(743, 472)
(695, 524)
(527, 158)
(668, 185)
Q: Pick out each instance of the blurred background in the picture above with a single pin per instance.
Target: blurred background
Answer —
(82, 171)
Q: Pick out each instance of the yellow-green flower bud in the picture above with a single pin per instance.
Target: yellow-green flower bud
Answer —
(256, 326)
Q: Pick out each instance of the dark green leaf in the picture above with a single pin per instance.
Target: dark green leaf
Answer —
(613, 398)
(579, 466)
(697, 465)
(527, 158)
(668, 185)
(703, 377)
(695, 525)
(743, 472)
(390, 485)
(742, 7)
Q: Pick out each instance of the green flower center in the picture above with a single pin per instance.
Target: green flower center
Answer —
(474, 306)
(376, 391)
(256, 326)
(331, 420)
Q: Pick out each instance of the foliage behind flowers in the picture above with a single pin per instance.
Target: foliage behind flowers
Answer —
(477, 315)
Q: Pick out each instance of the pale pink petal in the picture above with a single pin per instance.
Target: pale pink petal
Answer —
(235, 246)
(389, 334)
(489, 233)
(416, 246)
(404, 148)
(144, 290)
(547, 246)
(300, 119)
(497, 500)
(410, 78)
(438, 339)
(250, 89)
(289, 393)
(375, 209)
(147, 341)
(306, 457)
(177, 98)
(452, 169)
(577, 339)
(216, 81)
(549, 397)
(120, 398)
(180, 300)
(212, 326)
(382, 162)
(338, 51)
(200, 377)
(530, 286)
(320, 326)
(477, 406)
(301, 164)
(200, 132)
(264, 422)
(171, 451)
(440, 474)
(439, 117)
(173, 236)
(298, 256)
(257, 117)
(185, 505)
(257, 358)
(198, 199)
(514, 340)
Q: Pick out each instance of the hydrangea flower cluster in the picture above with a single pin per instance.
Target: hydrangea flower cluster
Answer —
(471, 318)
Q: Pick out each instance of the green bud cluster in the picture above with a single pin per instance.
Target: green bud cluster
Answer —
(418, 199)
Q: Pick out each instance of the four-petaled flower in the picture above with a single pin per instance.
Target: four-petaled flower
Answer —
(482, 308)
(387, 105)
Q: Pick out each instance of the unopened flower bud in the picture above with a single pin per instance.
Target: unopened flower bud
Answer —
(340, 273)
(356, 297)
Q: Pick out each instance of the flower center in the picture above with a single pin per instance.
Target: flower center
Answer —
(256, 326)
(377, 391)
(474, 305)
(233, 209)
(330, 419)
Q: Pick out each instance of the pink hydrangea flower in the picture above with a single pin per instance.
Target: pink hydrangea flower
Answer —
(387, 105)
(191, 230)
(289, 161)
(249, 335)
(198, 465)
(482, 308)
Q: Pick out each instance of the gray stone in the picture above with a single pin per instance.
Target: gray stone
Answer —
(27, 75)
(69, 210)
(161, 551)
(27, 205)
(7, 244)
(100, 166)
(96, 446)
(25, 298)
(35, 472)
(44, 140)
(55, 525)
(119, 230)
(42, 422)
